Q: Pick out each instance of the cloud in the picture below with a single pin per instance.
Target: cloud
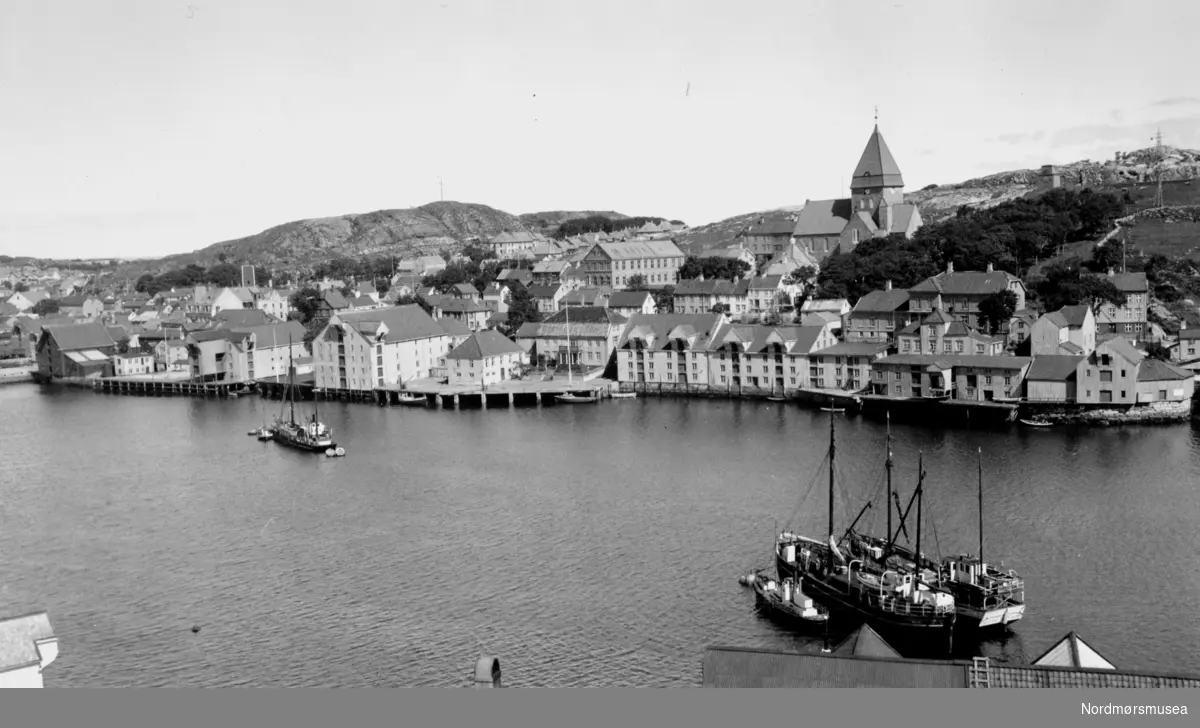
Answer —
(1177, 101)
(1019, 138)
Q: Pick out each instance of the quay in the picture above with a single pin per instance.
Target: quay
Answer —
(509, 393)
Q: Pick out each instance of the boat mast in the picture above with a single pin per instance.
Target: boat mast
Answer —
(980, 453)
(887, 501)
(291, 377)
(832, 451)
(568, 312)
(920, 498)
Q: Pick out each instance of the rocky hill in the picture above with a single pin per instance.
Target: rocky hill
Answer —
(547, 223)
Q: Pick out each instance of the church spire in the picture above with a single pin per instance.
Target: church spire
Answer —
(877, 167)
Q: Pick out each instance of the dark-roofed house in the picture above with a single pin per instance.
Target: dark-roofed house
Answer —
(1109, 374)
(1069, 330)
(936, 333)
(876, 207)
(586, 297)
(1130, 321)
(363, 302)
(770, 294)
(547, 298)
(627, 303)
(497, 295)
(486, 357)
(666, 351)
(593, 332)
(81, 306)
(1158, 381)
(1051, 378)
(845, 366)
(75, 350)
(1020, 326)
(965, 377)
(382, 347)
(464, 292)
(548, 272)
(232, 318)
(959, 294)
(517, 275)
(330, 303)
(1187, 348)
(697, 296)
(761, 359)
(512, 244)
(27, 647)
(470, 312)
(768, 236)
(877, 316)
(869, 662)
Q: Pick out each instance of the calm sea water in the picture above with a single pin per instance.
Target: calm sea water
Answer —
(585, 546)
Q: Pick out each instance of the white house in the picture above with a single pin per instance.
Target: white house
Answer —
(487, 357)
(132, 363)
(365, 350)
(27, 647)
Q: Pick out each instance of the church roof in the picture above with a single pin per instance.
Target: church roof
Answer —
(877, 167)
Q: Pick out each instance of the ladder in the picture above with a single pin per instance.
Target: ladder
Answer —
(980, 673)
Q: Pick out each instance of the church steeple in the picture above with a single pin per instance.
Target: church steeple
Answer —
(877, 167)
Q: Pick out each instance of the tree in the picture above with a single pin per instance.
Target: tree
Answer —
(21, 287)
(719, 308)
(123, 345)
(522, 309)
(997, 309)
(1106, 256)
(730, 269)
(664, 299)
(45, 307)
(636, 282)
(1155, 350)
(1064, 285)
(305, 301)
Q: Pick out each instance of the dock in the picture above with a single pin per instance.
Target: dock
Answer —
(509, 393)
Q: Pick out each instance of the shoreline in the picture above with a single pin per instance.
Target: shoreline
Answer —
(947, 413)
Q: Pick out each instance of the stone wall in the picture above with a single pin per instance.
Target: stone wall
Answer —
(1103, 415)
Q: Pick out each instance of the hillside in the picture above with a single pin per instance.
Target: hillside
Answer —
(1131, 171)
(547, 223)
(419, 230)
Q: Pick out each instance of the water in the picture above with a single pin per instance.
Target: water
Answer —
(555, 538)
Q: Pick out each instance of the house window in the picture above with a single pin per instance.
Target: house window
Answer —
(1008, 381)
(987, 381)
(1122, 374)
(722, 380)
(1105, 376)
(1122, 394)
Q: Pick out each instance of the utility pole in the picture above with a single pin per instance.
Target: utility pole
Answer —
(441, 190)
(1158, 194)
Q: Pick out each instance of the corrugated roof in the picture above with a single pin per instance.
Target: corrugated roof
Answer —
(823, 217)
(1053, 367)
(756, 337)
(739, 667)
(19, 637)
(72, 337)
(483, 344)
(637, 249)
(876, 167)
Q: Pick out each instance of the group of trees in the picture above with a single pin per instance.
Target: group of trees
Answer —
(221, 274)
(730, 269)
(602, 224)
(1012, 237)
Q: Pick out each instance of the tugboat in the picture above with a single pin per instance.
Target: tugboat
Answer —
(310, 436)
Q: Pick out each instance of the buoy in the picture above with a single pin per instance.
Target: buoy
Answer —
(331, 453)
(195, 628)
(341, 451)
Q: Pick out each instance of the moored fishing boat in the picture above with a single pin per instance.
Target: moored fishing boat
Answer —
(576, 399)
(310, 436)
(785, 601)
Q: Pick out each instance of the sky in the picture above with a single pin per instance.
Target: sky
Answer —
(139, 128)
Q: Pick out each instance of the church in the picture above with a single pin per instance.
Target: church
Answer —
(875, 209)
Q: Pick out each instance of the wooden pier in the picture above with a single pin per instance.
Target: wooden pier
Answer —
(166, 387)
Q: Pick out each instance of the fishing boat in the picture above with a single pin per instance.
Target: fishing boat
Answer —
(907, 604)
(1006, 400)
(310, 436)
(833, 409)
(412, 399)
(785, 601)
(577, 399)
(776, 399)
(1037, 423)
(623, 395)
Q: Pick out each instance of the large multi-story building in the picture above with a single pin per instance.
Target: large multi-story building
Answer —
(365, 350)
(613, 264)
(877, 316)
(1131, 320)
(959, 294)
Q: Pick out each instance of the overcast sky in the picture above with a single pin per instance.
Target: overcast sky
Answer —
(148, 128)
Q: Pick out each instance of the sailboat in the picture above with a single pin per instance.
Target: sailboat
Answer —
(985, 596)
(568, 397)
(907, 605)
(311, 436)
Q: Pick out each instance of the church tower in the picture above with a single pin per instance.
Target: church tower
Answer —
(876, 179)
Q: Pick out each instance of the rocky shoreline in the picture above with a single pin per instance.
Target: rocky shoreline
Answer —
(1156, 413)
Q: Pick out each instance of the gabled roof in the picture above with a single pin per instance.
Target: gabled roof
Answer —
(659, 326)
(363, 301)
(544, 291)
(1053, 367)
(1075, 316)
(776, 227)
(756, 337)
(1121, 346)
(586, 315)
(965, 283)
(585, 296)
(1128, 282)
(466, 288)
(712, 287)
(404, 323)
(72, 337)
(274, 334)
(935, 317)
(462, 305)
(1153, 370)
(641, 249)
(1072, 651)
(946, 361)
(823, 217)
(634, 299)
(335, 299)
(454, 327)
(865, 642)
(765, 283)
(234, 317)
(877, 167)
(882, 301)
(72, 301)
(483, 344)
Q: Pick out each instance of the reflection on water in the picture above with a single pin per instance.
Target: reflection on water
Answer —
(587, 546)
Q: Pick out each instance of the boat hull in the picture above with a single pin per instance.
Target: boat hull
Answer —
(975, 618)
(776, 609)
(285, 439)
(928, 632)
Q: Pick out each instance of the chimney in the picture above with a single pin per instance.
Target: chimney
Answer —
(989, 268)
(487, 672)
(887, 286)
(950, 267)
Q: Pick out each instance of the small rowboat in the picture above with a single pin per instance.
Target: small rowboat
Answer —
(412, 399)
(776, 399)
(833, 409)
(1037, 423)
(576, 399)
(624, 395)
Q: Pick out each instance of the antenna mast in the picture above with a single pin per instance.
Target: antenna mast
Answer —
(441, 190)
(1158, 193)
